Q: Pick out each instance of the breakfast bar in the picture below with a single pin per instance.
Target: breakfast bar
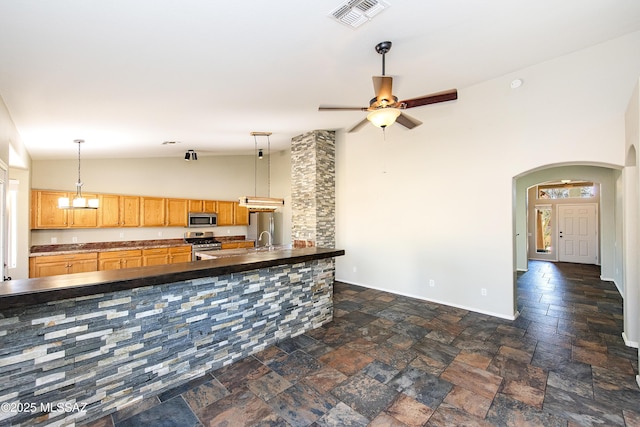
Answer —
(108, 339)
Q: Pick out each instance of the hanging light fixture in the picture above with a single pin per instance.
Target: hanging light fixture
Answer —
(255, 202)
(383, 117)
(190, 155)
(78, 201)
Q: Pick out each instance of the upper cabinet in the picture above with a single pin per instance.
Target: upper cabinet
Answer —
(117, 211)
(242, 214)
(152, 211)
(46, 214)
(176, 215)
(226, 213)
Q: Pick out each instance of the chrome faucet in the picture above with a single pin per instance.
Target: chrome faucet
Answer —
(268, 234)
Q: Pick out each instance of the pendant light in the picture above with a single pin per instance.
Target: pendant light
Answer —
(78, 201)
(255, 202)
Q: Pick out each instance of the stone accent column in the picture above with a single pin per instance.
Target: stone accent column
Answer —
(313, 189)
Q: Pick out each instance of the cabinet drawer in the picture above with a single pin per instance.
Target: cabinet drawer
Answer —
(120, 254)
(180, 249)
(65, 257)
(155, 251)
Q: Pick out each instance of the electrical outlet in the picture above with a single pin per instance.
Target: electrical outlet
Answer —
(122, 235)
(483, 292)
(432, 283)
(355, 269)
(54, 240)
(159, 233)
(74, 239)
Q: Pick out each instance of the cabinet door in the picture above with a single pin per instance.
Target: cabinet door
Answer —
(109, 210)
(180, 254)
(43, 269)
(176, 212)
(152, 211)
(242, 214)
(196, 205)
(157, 256)
(84, 218)
(63, 264)
(131, 261)
(210, 206)
(81, 266)
(226, 213)
(109, 264)
(45, 212)
(129, 211)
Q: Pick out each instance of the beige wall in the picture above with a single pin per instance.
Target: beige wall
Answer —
(438, 202)
(211, 177)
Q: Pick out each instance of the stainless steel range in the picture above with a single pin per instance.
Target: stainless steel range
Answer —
(201, 240)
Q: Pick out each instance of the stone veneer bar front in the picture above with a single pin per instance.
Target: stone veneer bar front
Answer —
(96, 342)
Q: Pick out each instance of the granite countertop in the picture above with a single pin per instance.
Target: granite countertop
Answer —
(26, 292)
(80, 248)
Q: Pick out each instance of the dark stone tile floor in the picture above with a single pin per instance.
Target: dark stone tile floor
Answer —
(388, 360)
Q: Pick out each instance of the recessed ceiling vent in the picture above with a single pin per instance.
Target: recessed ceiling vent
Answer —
(354, 13)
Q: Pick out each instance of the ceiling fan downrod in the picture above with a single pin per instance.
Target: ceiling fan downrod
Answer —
(382, 48)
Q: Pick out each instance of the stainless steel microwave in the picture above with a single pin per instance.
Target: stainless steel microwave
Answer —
(201, 219)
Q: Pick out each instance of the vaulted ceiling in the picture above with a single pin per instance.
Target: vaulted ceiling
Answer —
(128, 75)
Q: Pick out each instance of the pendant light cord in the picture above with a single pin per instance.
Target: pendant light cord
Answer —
(79, 183)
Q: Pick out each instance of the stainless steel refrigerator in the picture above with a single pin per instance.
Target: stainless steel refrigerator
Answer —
(264, 221)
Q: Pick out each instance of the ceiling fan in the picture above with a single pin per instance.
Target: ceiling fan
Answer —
(385, 109)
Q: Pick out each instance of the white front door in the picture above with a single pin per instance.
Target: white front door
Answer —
(578, 233)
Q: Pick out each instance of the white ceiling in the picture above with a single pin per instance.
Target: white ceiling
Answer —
(126, 75)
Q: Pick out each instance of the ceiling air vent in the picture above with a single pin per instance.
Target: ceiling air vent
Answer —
(354, 13)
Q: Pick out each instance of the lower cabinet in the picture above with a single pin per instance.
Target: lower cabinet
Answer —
(238, 245)
(171, 255)
(179, 254)
(53, 265)
(116, 260)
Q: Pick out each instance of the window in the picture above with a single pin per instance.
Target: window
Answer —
(573, 190)
(543, 229)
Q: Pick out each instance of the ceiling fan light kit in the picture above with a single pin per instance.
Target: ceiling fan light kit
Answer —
(383, 117)
(385, 109)
(78, 201)
(190, 155)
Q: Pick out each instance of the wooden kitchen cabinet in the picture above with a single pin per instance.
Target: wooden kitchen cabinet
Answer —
(238, 245)
(118, 211)
(44, 209)
(53, 265)
(155, 256)
(210, 206)
(196, 205)
(152, 211)
(46, 214)
(180, 254)
(226, 213)
(176, 212)
(242, 215)
(117, 260)
(168, 255)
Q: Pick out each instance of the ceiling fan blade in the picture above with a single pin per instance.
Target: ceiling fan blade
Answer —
(408, 121)
(358, 126)
(328, 108)
(382, 86)
(434, 98)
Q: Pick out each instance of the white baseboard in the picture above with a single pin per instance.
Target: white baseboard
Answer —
(633, 344)
(475, 310)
